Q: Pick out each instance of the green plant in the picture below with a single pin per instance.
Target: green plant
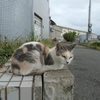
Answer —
(69, 36)
(34, 37)
(96, 44)
(7, 48)
(30, 37)
(47, 42)
(38, 37)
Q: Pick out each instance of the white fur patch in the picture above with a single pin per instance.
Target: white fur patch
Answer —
(34, 43)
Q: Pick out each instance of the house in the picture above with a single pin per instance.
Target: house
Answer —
(98, 37)
(82, 38)
(55, 32)
(58, 31)
(20, 17)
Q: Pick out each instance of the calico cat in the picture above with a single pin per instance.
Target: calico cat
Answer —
(36, 58)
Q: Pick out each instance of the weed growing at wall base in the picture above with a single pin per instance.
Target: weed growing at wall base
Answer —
(7, 47)
(95, 45)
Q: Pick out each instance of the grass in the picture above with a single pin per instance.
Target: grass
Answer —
(6, 50)
(47, 42)
(95, 45)
(8, 47)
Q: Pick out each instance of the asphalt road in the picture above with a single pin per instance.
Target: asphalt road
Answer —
(86, 69)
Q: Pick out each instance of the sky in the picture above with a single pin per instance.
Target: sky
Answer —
(74, 14)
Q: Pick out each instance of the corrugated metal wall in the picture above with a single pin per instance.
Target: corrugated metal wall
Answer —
(16, 18)
(41, 8)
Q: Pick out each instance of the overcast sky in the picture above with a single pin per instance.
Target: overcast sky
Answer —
(74, 14)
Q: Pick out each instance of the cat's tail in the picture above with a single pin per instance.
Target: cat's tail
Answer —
(41, 71)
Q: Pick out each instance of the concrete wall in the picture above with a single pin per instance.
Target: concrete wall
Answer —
(82, 38)
(53, 85)
(16, 17)
(58, 85)
(41, 8)
(98, 37)
(56, 32)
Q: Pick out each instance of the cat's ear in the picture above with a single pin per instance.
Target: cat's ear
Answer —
(71, 47)
(58, 46)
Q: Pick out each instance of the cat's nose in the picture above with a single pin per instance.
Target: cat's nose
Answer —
(67, 62)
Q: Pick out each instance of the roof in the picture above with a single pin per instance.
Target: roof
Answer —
(73, 29)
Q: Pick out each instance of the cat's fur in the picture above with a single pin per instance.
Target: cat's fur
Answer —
(36, 58)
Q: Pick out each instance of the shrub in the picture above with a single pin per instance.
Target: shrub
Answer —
(69, 36)
(96, 44)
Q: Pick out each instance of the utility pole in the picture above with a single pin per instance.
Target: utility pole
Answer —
(88, 36)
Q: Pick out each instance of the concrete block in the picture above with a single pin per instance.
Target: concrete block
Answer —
(28, 78)
(1, 74)
(13, 90)
(6, 77)
(37, 88)
(3, 90)
(3, 69)
(58, 85)
(16, 78)
(26, 90)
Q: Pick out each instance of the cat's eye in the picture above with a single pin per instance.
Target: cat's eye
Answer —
(64, 56)
(70, 57)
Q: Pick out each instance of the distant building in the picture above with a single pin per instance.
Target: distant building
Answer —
(92, 38)
(98, 37)
(55, 32)
(58, 31)
(20, 17)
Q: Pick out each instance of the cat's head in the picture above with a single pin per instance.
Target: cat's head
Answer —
(65, 52)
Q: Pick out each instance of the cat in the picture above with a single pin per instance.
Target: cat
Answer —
(35, 58)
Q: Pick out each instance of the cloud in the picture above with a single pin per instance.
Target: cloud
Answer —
(74, 14)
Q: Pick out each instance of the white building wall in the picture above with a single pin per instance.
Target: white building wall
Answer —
(41, 8)
(94, 36)
(16, 18)
(80, 35)
(56, 32)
